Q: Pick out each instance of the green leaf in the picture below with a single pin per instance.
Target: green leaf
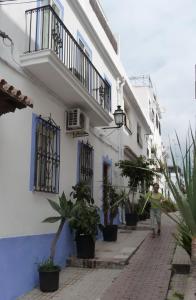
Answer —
(52, 219)
(55, 206)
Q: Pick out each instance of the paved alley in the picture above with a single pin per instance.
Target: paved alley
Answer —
(148, 274)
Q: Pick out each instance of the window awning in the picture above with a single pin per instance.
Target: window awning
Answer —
(11, 98)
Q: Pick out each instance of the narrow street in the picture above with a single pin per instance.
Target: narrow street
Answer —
(147, 275)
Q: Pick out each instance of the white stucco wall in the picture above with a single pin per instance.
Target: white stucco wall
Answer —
(15, 132)
(144, 95)
(22, 210)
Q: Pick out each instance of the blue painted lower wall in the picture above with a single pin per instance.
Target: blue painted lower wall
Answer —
(19, 257)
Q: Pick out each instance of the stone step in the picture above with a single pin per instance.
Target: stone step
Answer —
(112, 255)
(97, 263)
(142, 225)
(181, 261)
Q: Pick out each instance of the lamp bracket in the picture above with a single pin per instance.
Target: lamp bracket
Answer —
(111, 127)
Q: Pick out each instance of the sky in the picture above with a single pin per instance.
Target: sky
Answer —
(159, 38)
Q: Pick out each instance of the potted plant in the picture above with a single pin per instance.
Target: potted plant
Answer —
(84, 220)
(139, 172)
(110, 211)
(48, 270)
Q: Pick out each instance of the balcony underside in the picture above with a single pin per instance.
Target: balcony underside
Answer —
(46, 67)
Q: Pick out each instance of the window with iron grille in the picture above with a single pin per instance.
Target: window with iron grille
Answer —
(107, 95)
(139, 136)
(159, 128)
(47, 156)
(85, 160)
(157, 121)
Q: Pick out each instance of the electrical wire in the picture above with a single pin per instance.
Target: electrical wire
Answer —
(10, 45)
(7, 2)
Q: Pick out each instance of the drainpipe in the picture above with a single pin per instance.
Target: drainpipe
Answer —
(119, 87)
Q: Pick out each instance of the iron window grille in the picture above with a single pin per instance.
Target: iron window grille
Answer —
(86, 164)
(47, 156)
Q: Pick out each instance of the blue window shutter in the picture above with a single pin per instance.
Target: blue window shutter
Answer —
(33, 141)
(58, 154)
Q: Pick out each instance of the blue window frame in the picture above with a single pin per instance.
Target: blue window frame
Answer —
(108, 94)
(85, 47)
(83, 66)
(45, 155)
(85, 164)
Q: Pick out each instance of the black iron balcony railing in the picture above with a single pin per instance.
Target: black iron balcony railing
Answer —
(45, 30)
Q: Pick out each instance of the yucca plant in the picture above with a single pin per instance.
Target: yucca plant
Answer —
(183, 237)
(63, 208)
(48, 271)
(185, 193)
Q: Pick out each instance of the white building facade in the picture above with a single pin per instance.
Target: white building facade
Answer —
(62, 54)
(145, 93)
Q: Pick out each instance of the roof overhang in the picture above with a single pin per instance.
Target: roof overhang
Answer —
(11, 98)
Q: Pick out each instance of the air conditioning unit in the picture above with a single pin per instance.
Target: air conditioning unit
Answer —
(77, 122)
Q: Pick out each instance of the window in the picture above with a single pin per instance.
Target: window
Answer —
(107, 96)
(84, 65)
(48, 24)
(85, 162)
(157, 122)
(159, 128)
(139, 136)
(46, 156)
(152, 115)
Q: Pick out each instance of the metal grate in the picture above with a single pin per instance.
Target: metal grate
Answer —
(86, 164)
(74, 118)
(47, 156)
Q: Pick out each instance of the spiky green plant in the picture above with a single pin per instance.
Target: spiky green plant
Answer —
(63, 208)
(184, 192)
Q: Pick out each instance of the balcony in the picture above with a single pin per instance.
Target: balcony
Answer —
(56, 59)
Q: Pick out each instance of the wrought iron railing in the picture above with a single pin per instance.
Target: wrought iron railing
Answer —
(45, 30)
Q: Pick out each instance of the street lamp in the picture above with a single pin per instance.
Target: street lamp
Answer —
(119, 118)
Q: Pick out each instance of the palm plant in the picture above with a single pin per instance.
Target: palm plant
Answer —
(85, 214)
(185, 193)
(63, 209)
(137, 171)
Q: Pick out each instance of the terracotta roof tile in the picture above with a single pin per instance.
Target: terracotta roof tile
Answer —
(11, 98)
